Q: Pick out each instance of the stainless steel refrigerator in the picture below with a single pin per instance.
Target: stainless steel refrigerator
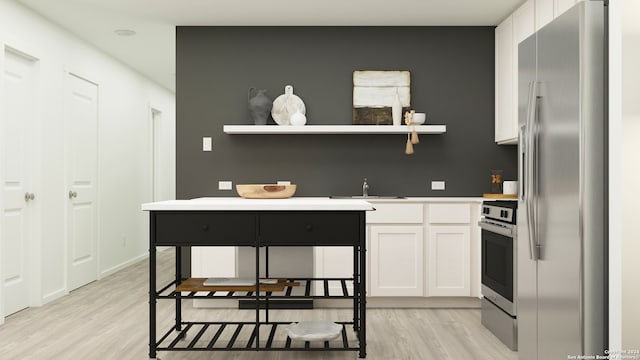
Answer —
(561, 289)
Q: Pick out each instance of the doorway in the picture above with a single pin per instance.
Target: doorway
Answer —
(81, 158)
(19, 223)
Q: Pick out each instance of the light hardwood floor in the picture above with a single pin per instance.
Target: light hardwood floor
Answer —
(108, 319)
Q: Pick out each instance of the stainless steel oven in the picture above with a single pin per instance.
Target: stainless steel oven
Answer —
(499, 269)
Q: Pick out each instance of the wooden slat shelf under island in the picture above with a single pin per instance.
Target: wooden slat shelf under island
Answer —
(197, 284)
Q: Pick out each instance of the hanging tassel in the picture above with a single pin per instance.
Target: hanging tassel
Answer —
(414, 137)
(409, 149)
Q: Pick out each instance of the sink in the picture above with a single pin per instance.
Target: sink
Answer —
(366, 197)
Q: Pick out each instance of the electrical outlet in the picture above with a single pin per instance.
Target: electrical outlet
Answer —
(437, 185)
(225, 185)
(207, 144)
(284, 182)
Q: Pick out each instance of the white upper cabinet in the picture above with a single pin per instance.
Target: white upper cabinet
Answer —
(504, 81)
(563, 5)
(544, 12)
(509, 34)
(547, 10)
(527, 19)
(523, 24)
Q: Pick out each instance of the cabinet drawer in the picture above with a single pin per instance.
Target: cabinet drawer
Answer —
(205, 228)
(396, 214)
(310, 228)
(449, 213)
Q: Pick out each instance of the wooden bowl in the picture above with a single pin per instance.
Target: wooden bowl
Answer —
(265, 191)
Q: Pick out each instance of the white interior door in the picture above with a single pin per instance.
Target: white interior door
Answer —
(18, 160)
(81, 127)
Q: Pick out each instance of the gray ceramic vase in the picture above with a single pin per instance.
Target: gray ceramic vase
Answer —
(259, 105)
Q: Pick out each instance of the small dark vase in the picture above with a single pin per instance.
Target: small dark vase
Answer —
(259, 105)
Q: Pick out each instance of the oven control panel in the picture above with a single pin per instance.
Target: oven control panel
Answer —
(499, 212)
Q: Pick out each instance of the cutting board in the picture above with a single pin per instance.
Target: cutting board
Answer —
(500, 196)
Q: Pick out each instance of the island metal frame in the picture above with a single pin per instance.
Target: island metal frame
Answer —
(258, 229)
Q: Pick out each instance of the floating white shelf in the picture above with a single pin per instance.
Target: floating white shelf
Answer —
(332, 129)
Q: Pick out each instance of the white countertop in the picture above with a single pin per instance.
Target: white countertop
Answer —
(239, 204)
(478, 199)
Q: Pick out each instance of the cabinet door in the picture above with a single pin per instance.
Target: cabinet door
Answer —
(562, 6)
(333, 262)
(544, 12)
(213, 261)
(504, 81)
(396, 258)
(523, 24)
(449, 261)
(523, 27)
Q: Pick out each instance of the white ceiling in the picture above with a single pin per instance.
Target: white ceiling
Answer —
(152, 50)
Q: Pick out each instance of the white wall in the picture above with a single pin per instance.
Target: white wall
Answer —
(615, 187)
(124, 172)
(624, 172)
(630, 174)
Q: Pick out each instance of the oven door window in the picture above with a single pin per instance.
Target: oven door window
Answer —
(497, 263)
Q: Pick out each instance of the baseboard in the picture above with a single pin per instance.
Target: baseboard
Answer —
(123, 265)
(405, 303)
(372, 303)
(276, 304)
(424, 302)
(53, 296)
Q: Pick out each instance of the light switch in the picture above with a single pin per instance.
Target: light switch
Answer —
(206, 144)
(225, 185)
(437, 185)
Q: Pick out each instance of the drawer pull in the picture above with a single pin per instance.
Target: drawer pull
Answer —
(205, 227)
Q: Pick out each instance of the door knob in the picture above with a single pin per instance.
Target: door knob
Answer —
(73, 194)
(29, 196)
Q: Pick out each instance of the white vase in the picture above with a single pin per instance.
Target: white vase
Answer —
(396, 111)
(298, 119)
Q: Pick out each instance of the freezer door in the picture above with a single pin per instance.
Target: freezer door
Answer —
(558, 184)
(526, 284)
(562, 74)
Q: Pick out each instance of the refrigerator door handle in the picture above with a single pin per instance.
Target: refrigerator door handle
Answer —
(528, 177)
(522, 140)
(535, 174)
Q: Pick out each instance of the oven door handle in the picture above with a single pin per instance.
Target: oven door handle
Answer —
(496, 229)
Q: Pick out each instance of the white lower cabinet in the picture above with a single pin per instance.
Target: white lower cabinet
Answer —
(416, 249)
(396, 255)
(332, 262)
(213, 261)
(449, 261)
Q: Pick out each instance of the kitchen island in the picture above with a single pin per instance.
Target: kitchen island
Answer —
(255, 223)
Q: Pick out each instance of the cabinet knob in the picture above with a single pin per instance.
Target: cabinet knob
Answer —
(205, 227)
(309, 227)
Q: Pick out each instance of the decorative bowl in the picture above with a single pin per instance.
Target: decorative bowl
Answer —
(265, 191)
(313, 330)
(418, 118)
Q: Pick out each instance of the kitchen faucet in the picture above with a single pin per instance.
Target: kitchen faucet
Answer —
(365, 188)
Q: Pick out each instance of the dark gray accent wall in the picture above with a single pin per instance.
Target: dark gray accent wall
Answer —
(452, 80)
